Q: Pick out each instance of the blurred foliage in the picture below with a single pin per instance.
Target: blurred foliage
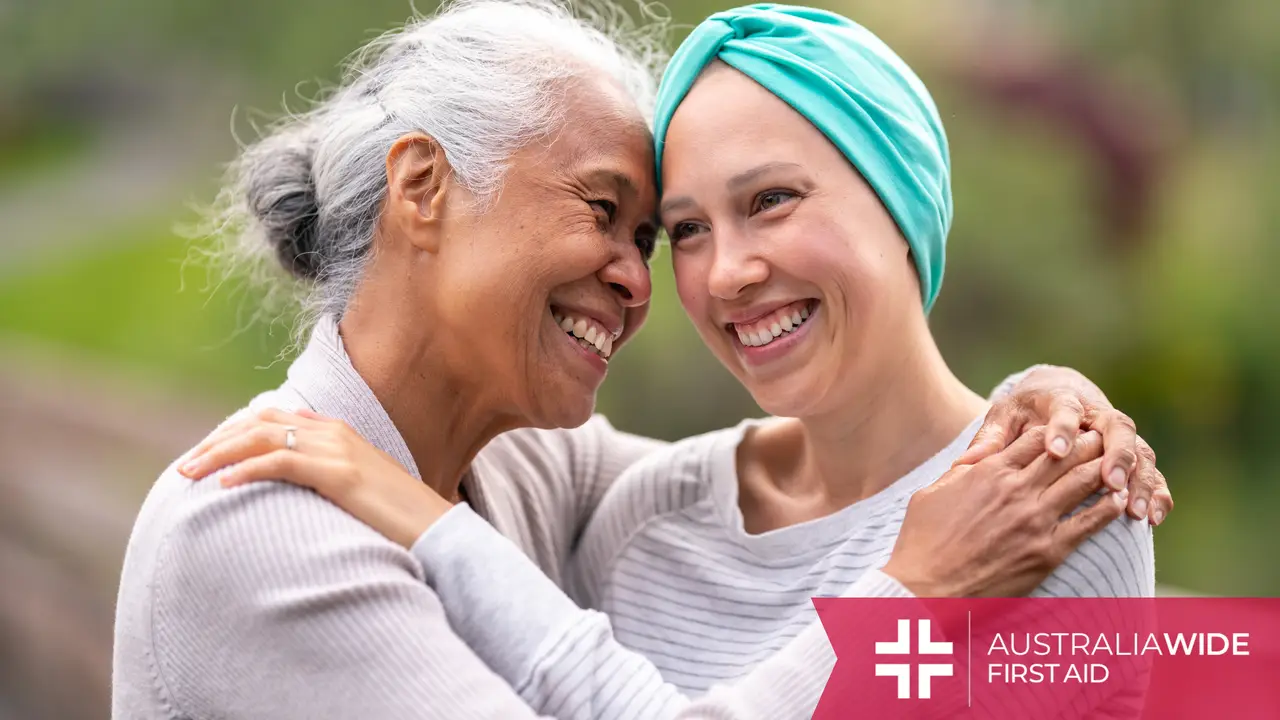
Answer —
(1177, 320)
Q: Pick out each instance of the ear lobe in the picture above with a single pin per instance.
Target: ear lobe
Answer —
(417, 183)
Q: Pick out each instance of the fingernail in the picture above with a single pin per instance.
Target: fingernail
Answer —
(188, 468)
(1116, 478)
(1157, 517)
(1060, 446)
(1140, 507)
(1121, 498)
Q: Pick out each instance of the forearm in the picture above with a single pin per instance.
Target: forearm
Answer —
(565, 662)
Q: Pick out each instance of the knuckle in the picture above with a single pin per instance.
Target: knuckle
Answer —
(1088, 477)
(261, 435)
(1043, 549)
(1121, 420)
(1037, 434)
(1068, 401)
(1126, 457)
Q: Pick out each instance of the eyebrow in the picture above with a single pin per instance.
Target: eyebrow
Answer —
(746, 177)
(620, 180)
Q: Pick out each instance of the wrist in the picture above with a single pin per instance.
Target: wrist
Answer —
(919, 583)
(417, 517)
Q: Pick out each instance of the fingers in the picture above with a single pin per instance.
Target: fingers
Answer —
(277, 465)
(1077, 485)
(268, 417)
(1074, 530)
(1003, 421)
(1025, 449)
(1065, 416)
(1046, 469)
(1161, 502)
(1148, 492)
(1120, 438)
(259, 438)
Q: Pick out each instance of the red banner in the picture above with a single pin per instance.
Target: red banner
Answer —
(1001, 658)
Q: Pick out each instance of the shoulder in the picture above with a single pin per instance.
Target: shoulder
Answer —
(214, 575)
(1119, 561)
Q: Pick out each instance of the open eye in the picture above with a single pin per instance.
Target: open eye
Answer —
(682, 230)
(771, 199)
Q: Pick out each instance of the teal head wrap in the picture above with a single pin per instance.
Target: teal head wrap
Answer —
(854, 89)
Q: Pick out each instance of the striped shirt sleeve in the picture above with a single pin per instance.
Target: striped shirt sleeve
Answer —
(565, 662)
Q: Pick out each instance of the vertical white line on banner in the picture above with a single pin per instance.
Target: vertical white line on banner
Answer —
(969, 647)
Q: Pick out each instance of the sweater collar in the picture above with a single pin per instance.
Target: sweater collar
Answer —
(325, 378)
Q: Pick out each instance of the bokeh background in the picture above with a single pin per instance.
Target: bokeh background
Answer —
(1115, 165)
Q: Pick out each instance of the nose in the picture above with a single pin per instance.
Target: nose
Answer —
(627, 275)
(735, 268)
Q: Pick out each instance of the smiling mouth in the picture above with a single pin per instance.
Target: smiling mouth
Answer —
(588, 333)
(777, 324)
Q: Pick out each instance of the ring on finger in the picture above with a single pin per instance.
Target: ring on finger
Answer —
(290, 437)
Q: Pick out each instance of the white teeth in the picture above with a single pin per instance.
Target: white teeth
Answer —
(587, 333)
(777, 328)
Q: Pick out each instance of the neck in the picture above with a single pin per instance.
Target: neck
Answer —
(444, 419)
(904, 415)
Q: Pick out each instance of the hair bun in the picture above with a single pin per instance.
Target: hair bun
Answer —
(281, 194)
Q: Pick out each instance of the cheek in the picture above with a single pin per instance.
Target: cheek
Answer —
(690, 272)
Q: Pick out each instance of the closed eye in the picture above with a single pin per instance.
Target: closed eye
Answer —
(646, 241)
(608, 207)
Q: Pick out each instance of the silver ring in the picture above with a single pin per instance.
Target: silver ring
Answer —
(290, 437)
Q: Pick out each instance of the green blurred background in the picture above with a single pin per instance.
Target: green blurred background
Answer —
(1114, 172)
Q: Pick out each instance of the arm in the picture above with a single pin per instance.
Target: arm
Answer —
(565, 661)
(271, 602)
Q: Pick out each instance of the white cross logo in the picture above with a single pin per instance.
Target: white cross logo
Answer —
(902, 671)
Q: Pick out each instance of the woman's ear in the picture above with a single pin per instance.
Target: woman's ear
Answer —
(418, 180)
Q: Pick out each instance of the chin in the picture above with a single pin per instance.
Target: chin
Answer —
(568, 409)
(787, 397)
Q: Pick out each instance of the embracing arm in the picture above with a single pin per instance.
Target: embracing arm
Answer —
(565, 661)
(971, 533)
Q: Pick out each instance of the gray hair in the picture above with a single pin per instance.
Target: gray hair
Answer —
(484, 78)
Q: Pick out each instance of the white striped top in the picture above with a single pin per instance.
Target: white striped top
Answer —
(696, 605)
(667, 558)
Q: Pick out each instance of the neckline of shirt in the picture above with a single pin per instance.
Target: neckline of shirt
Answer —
(817, 536)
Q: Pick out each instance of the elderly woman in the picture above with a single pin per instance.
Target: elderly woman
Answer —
(473, 209)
